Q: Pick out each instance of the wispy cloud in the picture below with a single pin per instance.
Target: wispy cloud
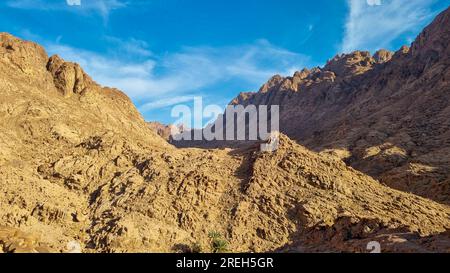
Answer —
(101, 7)
(162, 103)
(131, 46)
(372, 25)
(159, 81)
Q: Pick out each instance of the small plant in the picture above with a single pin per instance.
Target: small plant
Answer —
(218, 244)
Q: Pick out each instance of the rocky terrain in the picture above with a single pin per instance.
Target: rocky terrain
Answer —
(387, 114)
(81, 171)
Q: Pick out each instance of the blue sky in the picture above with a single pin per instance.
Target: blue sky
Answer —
(165, 52)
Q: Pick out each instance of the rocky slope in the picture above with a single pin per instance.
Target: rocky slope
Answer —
(387, 114)
(80, 170)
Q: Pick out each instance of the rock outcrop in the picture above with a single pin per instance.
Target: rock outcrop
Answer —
(69, 78)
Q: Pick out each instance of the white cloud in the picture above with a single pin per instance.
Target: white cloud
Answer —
(373, 2)
(163, 80)
(73, 2)
(372, 25)
(130, 46)
(104, 7)
(164, 103)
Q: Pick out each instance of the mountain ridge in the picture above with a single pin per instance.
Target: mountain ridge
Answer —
(385, 114)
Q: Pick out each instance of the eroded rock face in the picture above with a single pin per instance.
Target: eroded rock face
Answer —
(27, 57)
(82, 171)
(69, 78)
(432, 44)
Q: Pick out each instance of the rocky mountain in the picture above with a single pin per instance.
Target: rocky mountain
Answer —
(80, 169)
(387, 114)
(162, 130)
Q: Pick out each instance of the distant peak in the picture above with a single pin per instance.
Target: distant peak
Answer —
(303, 74)
(273, 82)
(349, 64)
(432, 43)
(383, 55)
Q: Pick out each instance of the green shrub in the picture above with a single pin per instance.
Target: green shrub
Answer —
(218, 244)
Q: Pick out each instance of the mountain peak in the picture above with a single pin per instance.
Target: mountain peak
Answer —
(382, 56)
(28, 57)
(273, 82)
(432, 43)
(356, 62)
